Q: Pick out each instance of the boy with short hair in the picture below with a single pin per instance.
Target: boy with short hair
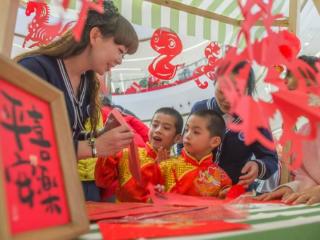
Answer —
(194, 172)
(164, 132)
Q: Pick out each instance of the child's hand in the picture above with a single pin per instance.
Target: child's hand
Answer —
(223, 193)
(280, 193)
(250, 173)
(162, 155)
(159, 188)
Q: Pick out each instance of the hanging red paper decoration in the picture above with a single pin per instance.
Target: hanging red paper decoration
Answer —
(39, 30)
(169, 45)
(86, 6)
(212, 53)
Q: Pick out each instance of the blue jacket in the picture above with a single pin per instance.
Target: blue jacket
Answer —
(233, 154)
(53, 71)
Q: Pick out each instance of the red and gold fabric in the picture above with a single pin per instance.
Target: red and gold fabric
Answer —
(115, 172)
(186, 175)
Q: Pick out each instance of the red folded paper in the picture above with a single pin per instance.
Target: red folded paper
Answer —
(115, 119)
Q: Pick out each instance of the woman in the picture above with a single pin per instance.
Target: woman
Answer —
(71, 66)
(306, 186)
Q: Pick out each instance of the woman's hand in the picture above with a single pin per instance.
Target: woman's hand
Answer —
(113, 141)
(250, 173)
(309, 196)
(280, 193)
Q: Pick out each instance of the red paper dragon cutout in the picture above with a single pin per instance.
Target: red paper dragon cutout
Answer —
(39, 31)
(169, 45)
(275, 49)
(86, 6)
(212, 53)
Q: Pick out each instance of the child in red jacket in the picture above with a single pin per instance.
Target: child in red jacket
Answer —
(165, 130)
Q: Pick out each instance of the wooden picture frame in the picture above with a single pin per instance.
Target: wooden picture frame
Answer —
(65, 218)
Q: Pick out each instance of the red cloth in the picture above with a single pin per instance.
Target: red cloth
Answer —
(110, 175)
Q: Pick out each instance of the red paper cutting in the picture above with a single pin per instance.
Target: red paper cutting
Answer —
(169, 45)
(39, 31)
(255, 119)
(277, 48)
(212, 53)
(294, 104)
(65, 4)
(86, 6)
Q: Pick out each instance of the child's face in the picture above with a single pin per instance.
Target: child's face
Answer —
(162, 132)
(196, 138)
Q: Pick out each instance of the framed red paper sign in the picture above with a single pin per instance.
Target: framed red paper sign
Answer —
(40, 191)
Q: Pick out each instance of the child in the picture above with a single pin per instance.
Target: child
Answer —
(194, 172)
(165, 130)
(243, 163)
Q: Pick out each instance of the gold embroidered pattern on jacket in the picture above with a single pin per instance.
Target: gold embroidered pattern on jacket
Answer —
(174, 168)
(123, 167)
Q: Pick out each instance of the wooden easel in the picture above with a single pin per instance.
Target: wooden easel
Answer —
(8, 16)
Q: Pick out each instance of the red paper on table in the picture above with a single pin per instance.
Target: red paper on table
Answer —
(94, 208)
(114, 120)
(151, 230)
(100, 211)
(235, 191)
(33, 185)
(214, 208)
(165, 198)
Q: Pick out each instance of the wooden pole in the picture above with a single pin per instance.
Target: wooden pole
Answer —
(196, 11)
(210, 15)
(8, 16)
(317, 5)
(294, 16)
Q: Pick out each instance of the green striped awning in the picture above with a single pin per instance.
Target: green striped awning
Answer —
(151, 15)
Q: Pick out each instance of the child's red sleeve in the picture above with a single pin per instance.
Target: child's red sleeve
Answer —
(106, 172)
